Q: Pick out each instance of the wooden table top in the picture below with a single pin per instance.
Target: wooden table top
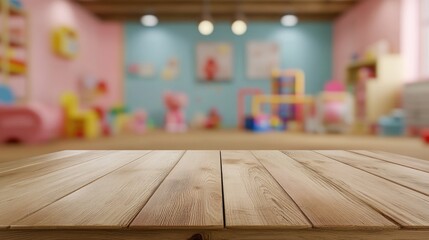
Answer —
(214, 192)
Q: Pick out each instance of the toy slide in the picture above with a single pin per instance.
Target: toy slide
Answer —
(32, 123)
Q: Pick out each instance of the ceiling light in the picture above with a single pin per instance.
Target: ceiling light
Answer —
(149, 20)
(205, 27)
(239, 27)
(289, 20)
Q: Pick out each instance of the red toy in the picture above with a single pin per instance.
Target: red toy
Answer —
(425, 136)
(214, 119)
(174, 117)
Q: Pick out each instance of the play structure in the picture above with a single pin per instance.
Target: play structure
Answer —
(287, 100)
(292, 110)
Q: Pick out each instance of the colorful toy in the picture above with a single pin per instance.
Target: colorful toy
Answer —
(288, 82)
(276, 100)
(79, 123)
(214, 119)
(138, 121)
(242, 93)
(393, 125)
(32, 123)
(175, 118)
(260, 123)
(334, 109)
(91, 89)
(425, 135)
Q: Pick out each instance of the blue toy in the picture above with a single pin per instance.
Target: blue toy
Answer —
(6, 95)
(393, 125)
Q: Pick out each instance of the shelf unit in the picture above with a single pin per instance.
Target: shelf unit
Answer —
(382, 89)
(13, 69)
(416, 106)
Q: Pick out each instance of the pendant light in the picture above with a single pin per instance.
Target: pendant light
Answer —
(289, 20)
(239, 26)
(205, 27)
(149, 20)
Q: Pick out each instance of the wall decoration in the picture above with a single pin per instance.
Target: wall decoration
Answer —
(262, 59)
(214, 62)
(171, 69)
(65, 42)
(145, 70)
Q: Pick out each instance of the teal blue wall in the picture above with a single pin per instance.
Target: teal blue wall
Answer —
(307, 46)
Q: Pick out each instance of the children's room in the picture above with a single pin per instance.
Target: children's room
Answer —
(213, 75)
(214, 119)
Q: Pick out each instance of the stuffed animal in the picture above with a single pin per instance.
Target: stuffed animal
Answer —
(175, 120)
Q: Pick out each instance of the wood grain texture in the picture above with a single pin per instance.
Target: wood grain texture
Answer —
(17, 164)
(190, 196)
(407, 207)
(408, 177)
(253, 199)
(325, 205)
(415, 163)
(102, 235)
(314, 234)
(228, 234)
(37, 170)
(26, 197)
(110, 202)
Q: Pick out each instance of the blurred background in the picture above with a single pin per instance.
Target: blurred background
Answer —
(214, 74)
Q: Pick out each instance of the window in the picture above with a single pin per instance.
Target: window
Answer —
(424, 43)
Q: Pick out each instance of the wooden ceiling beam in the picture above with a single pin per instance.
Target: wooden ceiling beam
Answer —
(124, 10)
(216, 17)
(161, 8)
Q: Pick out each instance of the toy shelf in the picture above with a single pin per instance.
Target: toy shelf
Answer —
(381, 89)
(14, 41)
(353, 69)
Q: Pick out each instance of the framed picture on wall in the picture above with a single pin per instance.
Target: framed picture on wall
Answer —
(214, 62)
(262, 59)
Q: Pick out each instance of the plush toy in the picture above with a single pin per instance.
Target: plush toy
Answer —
(138, 122)
(175, 118)
(214, 119)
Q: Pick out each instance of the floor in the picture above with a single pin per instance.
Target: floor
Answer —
(225, 139)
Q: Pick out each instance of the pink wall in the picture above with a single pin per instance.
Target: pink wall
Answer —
(367, 23)
(99, 55)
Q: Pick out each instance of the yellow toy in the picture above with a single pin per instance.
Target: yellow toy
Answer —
(79, 123)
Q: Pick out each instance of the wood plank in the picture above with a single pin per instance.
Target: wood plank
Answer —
(314, 234)
(26, 197)
(16, 164)
(419, 164)
(42, 168)
(253, 199)
(102, 235)
(110, 202)
(190, 196)
(213, 235)
(408, 177)
(324, 204)
(407, 207)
